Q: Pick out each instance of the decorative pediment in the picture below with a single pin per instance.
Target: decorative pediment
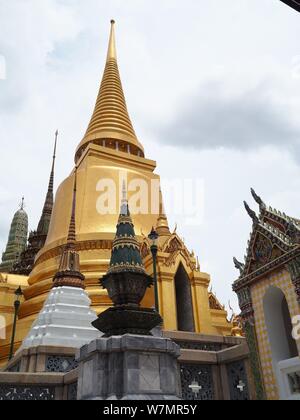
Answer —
(172, 260)
(214, 303)
(271, 218)
(262, 250)
(274, 237)
(173, 245)
(289, 226)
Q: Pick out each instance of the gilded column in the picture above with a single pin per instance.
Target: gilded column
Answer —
(203, 321)
(168, 307)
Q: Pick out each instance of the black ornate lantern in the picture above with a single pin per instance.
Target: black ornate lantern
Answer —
(126, 283)
(17, 303)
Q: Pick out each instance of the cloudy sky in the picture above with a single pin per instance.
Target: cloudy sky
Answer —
(215, 85)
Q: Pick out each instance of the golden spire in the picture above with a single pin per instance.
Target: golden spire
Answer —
(162, 227)
(72, 225)
(69, 274)
(110, 120)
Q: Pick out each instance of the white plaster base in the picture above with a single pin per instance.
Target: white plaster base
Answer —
(65, 320)
(285, 369)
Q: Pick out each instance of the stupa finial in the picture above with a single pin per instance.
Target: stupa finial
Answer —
(112, 50)
(72, 225)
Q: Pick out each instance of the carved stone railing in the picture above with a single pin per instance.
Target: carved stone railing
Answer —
(212, 368)
(38, 386)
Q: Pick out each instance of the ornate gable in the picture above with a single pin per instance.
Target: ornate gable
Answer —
(273, 235)
(173, 245)
(286, 224)
(262, 251)
(214, 303)
(279, 220)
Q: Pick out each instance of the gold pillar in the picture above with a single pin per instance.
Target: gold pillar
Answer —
(168, 306)
(202, 314)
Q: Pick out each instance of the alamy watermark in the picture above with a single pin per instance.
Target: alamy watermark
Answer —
(2, 328)
(2, 67)
(296, 329)
(181, 197)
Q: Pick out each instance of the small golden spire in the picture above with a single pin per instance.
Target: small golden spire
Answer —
(69, 274)
(72, 225)
(162, 227)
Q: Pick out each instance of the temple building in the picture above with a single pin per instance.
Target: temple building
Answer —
(268, 289)
(110, 150)
(16, 240)
(88, 273)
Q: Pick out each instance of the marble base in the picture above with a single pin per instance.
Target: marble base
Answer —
(288, 373)
(65, 321)
(128, 368)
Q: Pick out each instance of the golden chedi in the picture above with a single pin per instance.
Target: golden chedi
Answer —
(110, 153)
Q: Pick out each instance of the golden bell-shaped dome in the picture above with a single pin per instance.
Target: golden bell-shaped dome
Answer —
(110, 120)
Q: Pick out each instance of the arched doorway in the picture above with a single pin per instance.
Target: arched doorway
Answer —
(185, 316)
(279, 325)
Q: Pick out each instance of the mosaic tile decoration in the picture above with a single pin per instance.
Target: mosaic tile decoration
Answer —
(282, 280)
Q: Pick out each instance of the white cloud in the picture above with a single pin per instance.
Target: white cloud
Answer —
(247, 121)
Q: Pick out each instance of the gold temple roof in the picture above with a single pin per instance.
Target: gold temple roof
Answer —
(110, 119)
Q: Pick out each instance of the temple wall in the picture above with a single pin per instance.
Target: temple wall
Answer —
(218, 364)
(282, 280)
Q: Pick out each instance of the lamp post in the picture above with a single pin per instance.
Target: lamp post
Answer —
(154, 249)
(17, 304)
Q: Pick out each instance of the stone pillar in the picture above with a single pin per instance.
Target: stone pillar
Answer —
(130, 368)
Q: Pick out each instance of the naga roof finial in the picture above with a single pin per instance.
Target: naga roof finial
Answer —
(238, 265)
(251, 213)
(258, 199)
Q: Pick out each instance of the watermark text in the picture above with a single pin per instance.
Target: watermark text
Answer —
(181, 197)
